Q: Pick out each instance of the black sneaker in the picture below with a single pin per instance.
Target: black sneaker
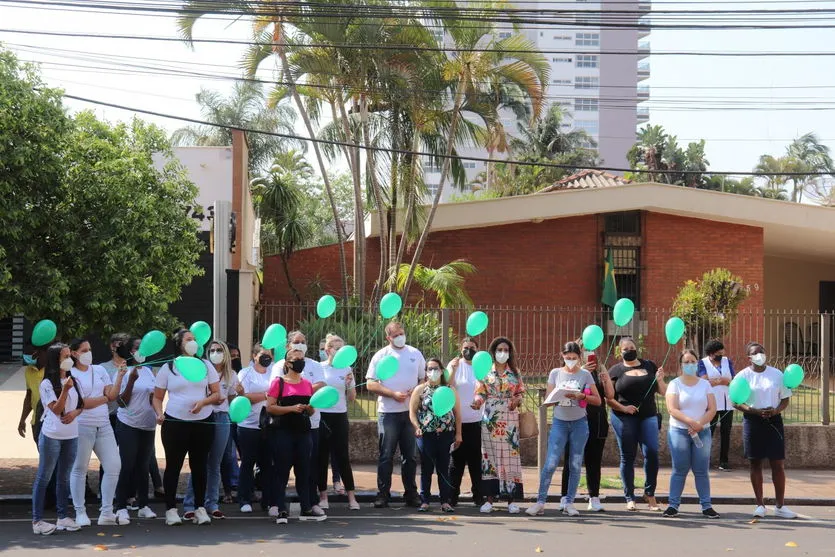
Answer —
(412, 500)
(310, 516)
(710, 513)
(670, 513)
(381, 502)
(283, 517)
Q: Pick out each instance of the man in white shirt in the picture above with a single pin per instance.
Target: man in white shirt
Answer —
(393, 425)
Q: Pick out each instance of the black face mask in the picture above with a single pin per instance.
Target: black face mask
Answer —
(630, 355)
(716, 358)
(236, 364)
(124, 351)
(264, 360)
(468, 354)
(297, 365)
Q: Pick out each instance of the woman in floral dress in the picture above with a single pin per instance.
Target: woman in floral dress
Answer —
(500, 394)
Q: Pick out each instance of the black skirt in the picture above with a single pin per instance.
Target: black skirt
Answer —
(763, 438)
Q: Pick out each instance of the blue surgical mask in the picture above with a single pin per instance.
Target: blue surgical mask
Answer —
(690, 369)
(29, 360)
(323, 355)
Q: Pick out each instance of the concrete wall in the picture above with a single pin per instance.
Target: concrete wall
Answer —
(794, 284)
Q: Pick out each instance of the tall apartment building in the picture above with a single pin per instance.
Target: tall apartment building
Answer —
(596, 74)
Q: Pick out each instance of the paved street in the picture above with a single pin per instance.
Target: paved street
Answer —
(406, 533)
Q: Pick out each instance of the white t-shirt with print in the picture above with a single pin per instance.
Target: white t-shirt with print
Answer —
(411, 370)
(335, 377)
(312, 372)
(183, 394)
(253, 382)
(52, 426)
(767, 389)
(139, 413)
(465, 386)
(692, 401)
(227, 386)
(92, 383)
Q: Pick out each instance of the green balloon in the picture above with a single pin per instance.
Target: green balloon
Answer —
(345, 357)
(482, 364)
(739, 390)
(192, 369)
(443, 401)
(152, 342)
(44, 332)
(793, 376)
(202, 332)
(592, 337)
(200, 350)
(326, 397)
(477, 323)
(274, 336)
(674, 329)
(239, 409)
(623, 312)
(390, 305)
(387, 368)
(279, 352)
(326, 306)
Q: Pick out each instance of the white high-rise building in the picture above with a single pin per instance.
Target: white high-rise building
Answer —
(596, 74)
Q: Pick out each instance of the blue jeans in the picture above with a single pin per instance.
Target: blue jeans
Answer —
(686, 456)
(395, 429)
(255, 450)
(53, 453)
(292, 449)
(216, 453)
(630, 431)
(574, 434)
(435, 456)
(229, 470)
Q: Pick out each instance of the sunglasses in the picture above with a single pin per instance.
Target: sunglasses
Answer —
(216, 351)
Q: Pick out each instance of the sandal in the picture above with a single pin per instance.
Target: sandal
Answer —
(652, 502)
(424, 508)
(447, 508)
(227, 500)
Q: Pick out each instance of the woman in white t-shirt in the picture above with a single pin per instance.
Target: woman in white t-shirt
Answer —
(692, 405)
(95, 434)
(58, 440)
(762, 427)
(187, 426)
(334, 432)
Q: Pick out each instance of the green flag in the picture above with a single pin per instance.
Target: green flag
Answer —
(610, 289)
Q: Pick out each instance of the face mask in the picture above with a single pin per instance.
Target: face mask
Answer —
(66, 364)
(236, 364)
(29, 360)
(264, 360)
(323, 355)
(138, 358)
(85, 358)
(123, 351)
(758, 359)
(630, 355)
(717, 358)
(216, 357)
(301, 347)
(399, 341)
(297, 366)
(570, 363)
(191, 347)
(690, 369)
(502, 356)
(468, 354)
(433, 374)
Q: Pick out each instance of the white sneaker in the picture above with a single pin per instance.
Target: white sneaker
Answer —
(571, 510)
(759, 512)
(201, 516)
(273, 512)
(246, 508)
(631, 506)
(172, 518)
(563, 503)
(82, 519)
(317, 510)
(107, 519)
(146, 512)
(67, 524)
(513, 508)
(784, 512)
(594, 505)
(42, 528)
(323, 504)
(122, 517)
(486, 508)
(537, 509)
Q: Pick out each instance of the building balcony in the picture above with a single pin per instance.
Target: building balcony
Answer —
(643, 49)
(643, 115)
(643, 69)
(643, 93)
(644, 6)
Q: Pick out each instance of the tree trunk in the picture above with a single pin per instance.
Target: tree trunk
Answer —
(407, 219)
(378, 199)
(290, 285)
(395, 179)
(359, 215)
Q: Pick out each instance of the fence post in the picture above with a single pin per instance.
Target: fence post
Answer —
(542, 445)
(445, 314)
(826, 353)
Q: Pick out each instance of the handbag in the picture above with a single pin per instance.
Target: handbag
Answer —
(527, 425)
(265, 419)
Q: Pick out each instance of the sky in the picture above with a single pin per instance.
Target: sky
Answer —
(692, 97)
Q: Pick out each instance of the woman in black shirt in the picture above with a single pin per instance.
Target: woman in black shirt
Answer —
(635, 418)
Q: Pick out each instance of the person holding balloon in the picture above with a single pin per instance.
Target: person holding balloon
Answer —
(759, 391)
(435, 413)
(334, 437)
(393, 374)
(719, 371)
(500, 393)
(187, 428)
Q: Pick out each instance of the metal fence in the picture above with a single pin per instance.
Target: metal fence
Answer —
(538, 333)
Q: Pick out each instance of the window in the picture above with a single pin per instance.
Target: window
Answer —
(585, 105)
(591, 127)
(468, 165)
(562, 37)
(587, 39)
(586, 20)
(439, 35)
(504, 35)
(559, 60)
(561, 81)
(623, 224)
(586, 82)
(587, 60)
(431, 167)
(623, 238)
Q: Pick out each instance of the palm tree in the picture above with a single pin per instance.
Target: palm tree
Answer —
(809, 155)
(446, 282)
(774, 169)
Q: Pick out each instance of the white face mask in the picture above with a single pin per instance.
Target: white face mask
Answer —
(191, 347)
(758, 359)
(85, 358)
(399, 341)
(216, 357)
(302, 347)
(502, 356)
(138, 358)
(570, 364)
(434, 375)
(66, 364)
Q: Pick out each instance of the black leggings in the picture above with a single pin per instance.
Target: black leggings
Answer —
(179, 438)
(593, 460)
(333, 434)
(468, 455)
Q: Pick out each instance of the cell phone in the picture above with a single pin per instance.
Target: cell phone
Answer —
(591, 358)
